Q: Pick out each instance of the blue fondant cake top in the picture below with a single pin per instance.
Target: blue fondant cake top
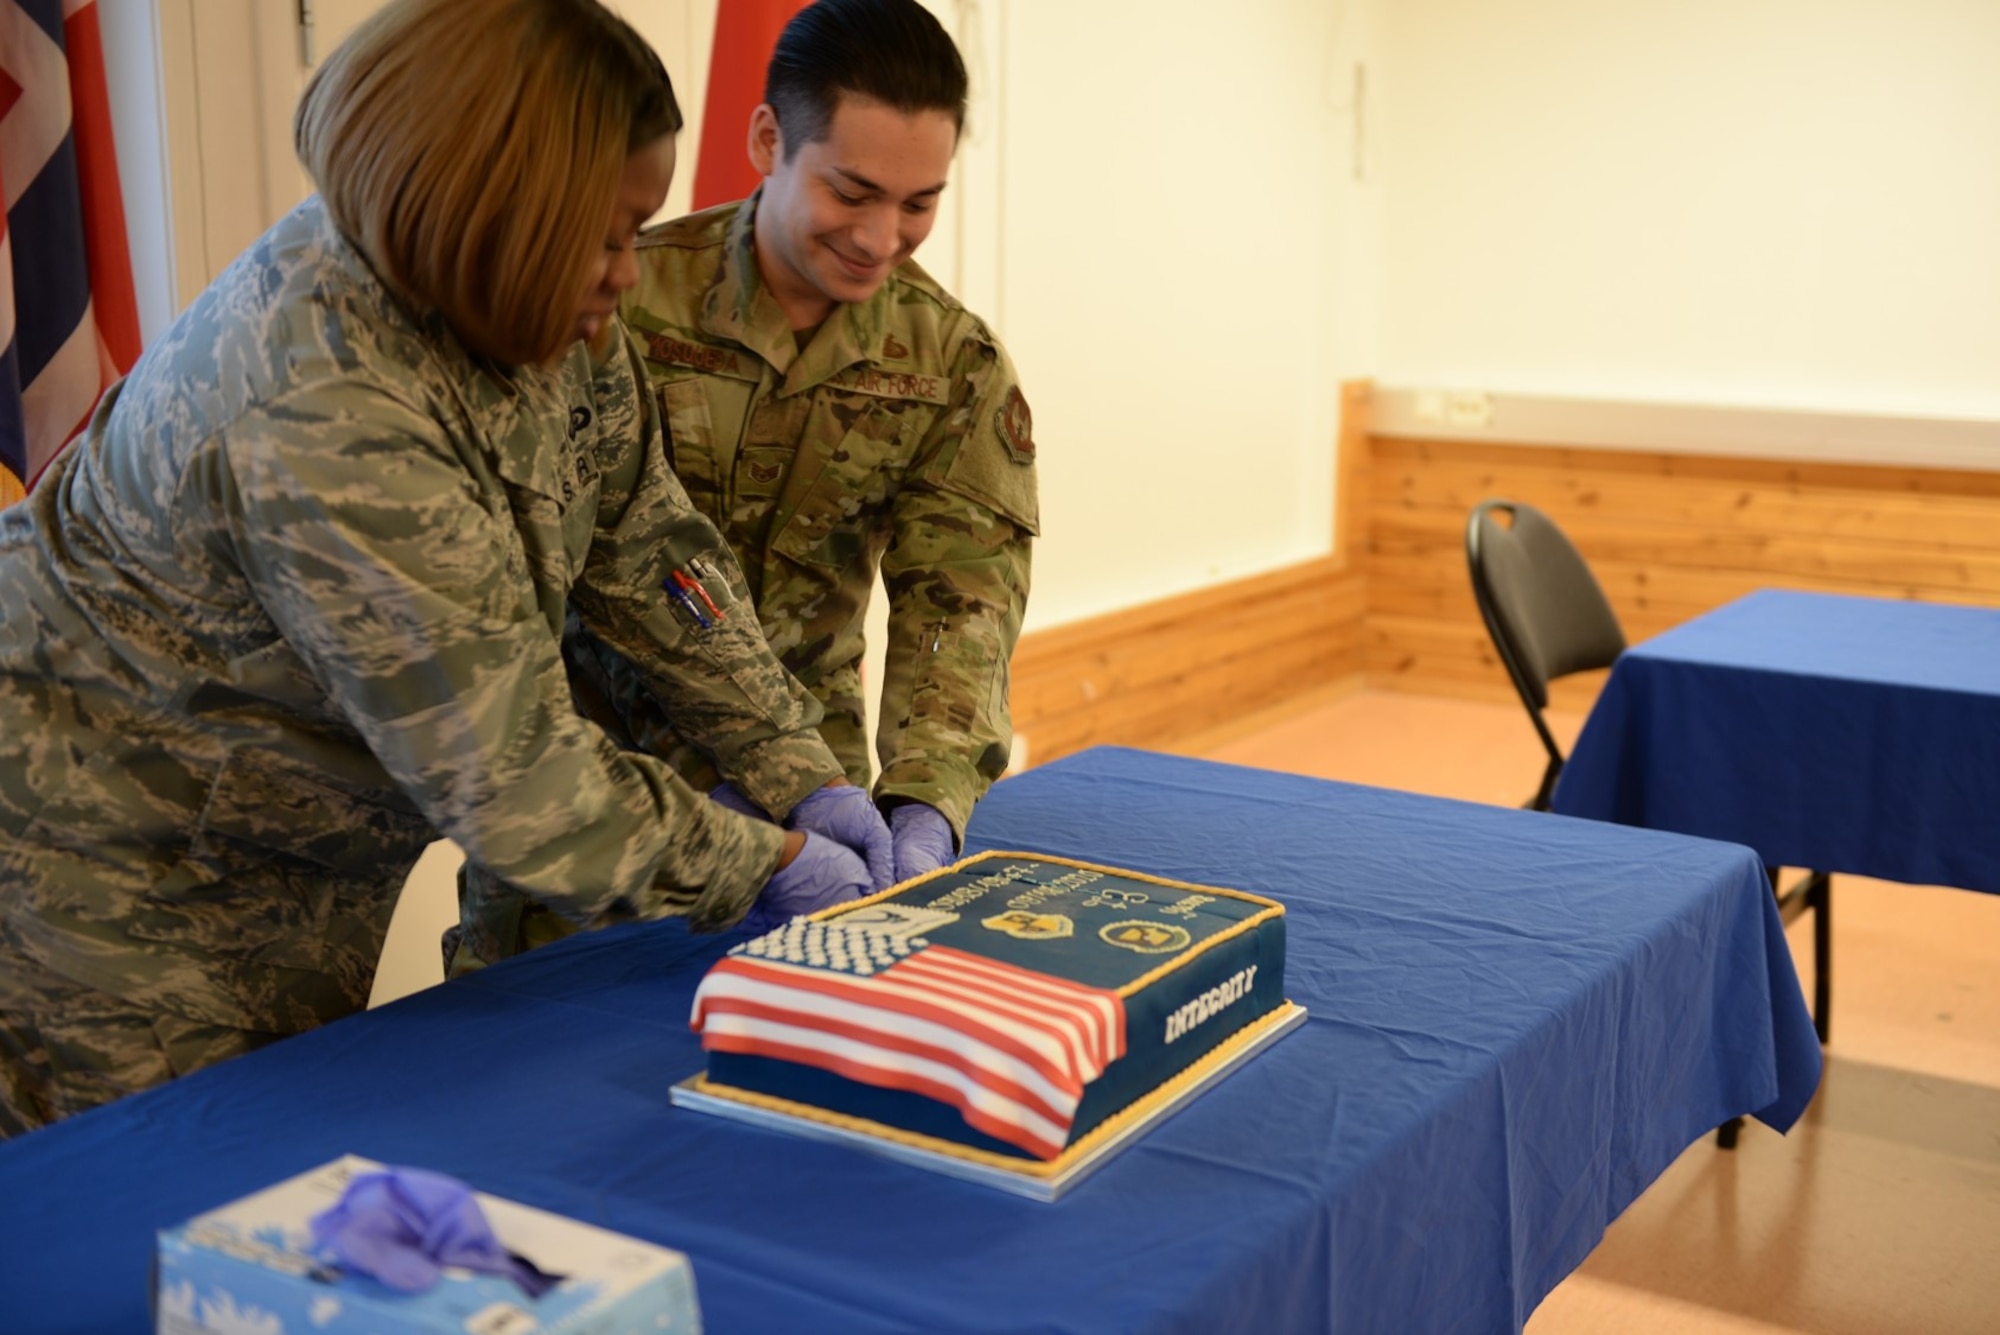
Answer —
(1091, 925)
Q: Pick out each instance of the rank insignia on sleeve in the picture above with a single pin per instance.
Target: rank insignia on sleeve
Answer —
(1017, 427)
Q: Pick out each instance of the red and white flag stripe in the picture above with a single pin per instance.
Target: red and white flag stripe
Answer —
(1011, 1049)
(1037, 1120)
(69, 322)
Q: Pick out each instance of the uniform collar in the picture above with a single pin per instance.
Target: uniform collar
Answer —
(508, 408)
(740, 308)
(389, 304)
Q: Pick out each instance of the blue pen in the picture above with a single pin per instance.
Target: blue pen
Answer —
(693, 609)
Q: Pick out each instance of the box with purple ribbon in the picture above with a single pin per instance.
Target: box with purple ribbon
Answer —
(356, 1246)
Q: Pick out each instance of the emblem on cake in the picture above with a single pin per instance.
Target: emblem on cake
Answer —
(897, 919)
(1148, 938)
(1027, 925)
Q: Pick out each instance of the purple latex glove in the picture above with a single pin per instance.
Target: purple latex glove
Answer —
(823, 874)
(403, 1225)
(726, 794)
(922, 838)
(844, 814)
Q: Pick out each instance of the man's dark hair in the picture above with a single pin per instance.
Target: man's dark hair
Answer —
(889, 51)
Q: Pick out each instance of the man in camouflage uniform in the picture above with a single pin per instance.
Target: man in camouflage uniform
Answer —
(268, 630)
(832, 409)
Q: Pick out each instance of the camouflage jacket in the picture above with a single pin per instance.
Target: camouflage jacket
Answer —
(897, 437)
(290, 608)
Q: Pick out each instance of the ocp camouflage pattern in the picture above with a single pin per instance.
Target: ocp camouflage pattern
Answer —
(897, 436)
(290, 609)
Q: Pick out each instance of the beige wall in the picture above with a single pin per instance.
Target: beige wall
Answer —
(1188, 227)
(1171, 194)
(1770, 203)
(1160, 249)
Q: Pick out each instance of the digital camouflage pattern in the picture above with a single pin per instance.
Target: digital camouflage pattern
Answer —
(898, 436)
(290, 609)
(66, 1049)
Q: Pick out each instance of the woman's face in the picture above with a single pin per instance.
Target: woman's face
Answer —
(641, 191)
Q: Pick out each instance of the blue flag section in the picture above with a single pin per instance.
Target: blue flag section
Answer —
(68, 318)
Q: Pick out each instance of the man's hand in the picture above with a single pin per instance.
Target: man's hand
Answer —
(922, 839)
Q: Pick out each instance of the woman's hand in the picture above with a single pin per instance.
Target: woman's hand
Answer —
(816, 874)
(844, 814)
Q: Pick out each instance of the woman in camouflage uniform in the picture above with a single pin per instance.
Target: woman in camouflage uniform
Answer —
(290, 608)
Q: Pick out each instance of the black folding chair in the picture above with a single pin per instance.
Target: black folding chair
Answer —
(1548, 618)
(1543, 609)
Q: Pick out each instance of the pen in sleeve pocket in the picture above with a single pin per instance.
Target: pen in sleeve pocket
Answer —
(687, 586)
(681, 596)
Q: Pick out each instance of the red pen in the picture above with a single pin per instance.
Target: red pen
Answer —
(693, 586)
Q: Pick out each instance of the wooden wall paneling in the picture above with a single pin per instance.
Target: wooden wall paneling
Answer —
(1431, 586)
(1198, 664)
(1353, 470)
(1874, 478)
(1883, 568)
(1079, 666)
(1668, 535)
(1183, 665)
(1581, 492)
(1202, 700)
(1456, 658)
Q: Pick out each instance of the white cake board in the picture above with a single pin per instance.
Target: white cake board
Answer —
(1036, 1187)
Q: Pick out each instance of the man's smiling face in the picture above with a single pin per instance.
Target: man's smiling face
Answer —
(841, 212)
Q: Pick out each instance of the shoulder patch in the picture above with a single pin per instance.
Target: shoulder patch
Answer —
(1016, 426)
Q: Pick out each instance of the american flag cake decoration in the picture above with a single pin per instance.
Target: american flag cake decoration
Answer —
(1004, 1007)
(1010, 1048)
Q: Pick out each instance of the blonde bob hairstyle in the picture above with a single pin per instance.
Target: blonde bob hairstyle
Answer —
(473, 149)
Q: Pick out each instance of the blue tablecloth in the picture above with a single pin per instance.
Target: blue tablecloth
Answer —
(1517, 1021)
(1842, 734)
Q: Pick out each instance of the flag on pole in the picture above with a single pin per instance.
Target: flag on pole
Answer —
(69, 322)
(1010, 1048)
(746, 32)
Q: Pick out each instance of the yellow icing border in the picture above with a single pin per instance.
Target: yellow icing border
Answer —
(1272, 908)
(1140, 1109)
